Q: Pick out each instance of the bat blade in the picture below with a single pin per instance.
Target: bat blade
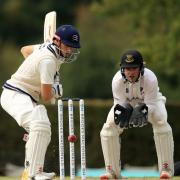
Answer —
(49, 26)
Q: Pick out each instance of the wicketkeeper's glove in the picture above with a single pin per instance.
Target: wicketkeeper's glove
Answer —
(139, 116)
(122, 115)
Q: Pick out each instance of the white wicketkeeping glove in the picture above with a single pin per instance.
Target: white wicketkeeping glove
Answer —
(57, 90)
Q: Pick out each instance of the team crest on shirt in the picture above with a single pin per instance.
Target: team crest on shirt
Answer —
(129, 58)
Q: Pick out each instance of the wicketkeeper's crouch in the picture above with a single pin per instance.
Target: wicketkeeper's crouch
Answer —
(137, 101)
(34, 80)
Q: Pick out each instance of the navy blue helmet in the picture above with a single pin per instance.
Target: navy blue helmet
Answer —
(68, 35)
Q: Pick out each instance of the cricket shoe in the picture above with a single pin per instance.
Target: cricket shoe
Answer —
(166, 172)
(165, 175)
(44, 176)
(108, 175)
(39, 176)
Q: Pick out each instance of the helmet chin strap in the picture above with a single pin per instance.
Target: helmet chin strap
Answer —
(138, 76)
(60, 53)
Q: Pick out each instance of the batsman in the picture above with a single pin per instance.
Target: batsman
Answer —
(37, 81)
(137, 102)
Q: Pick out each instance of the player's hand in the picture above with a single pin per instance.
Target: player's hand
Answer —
(57, 90)
(139, 116)
(122, 115)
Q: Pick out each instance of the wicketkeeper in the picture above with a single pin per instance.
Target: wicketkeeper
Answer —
(137, 102)
(36, 79)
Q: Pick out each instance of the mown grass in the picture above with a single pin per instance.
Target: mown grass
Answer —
(67, 178)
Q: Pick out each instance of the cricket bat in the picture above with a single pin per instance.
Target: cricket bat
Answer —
(49, 26)
(49, 30)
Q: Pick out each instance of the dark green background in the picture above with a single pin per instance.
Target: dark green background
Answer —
(107, 29)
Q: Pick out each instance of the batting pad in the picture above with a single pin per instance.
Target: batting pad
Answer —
(111, 148)
(39, 138)
(165, 149)
(35, 152)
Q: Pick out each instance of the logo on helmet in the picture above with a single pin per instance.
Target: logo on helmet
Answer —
(75, 37)
(129, 58)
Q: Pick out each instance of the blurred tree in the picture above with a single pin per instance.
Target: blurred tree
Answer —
(22, 21)
(109, 27)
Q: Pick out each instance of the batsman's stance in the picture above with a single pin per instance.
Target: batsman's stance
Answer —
(137, 101)
(36, 79)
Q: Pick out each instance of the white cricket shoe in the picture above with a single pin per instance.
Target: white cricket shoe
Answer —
(108, 176)
(44, 176)
(39, 176)
(166, 172)
(165, 175)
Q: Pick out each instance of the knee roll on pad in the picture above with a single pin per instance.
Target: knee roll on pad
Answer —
(109, 130)
(158, 119)
(159, 115)
(40, 120)
(162, 128)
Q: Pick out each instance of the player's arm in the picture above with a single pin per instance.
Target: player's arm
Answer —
(47, 69)
(49, 88)
(27, 50)
(118, 91)
(46, 92)
(150, 93)
(49, 91)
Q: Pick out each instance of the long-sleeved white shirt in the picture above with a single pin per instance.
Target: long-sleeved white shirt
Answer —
(145, 90)
(38, 68)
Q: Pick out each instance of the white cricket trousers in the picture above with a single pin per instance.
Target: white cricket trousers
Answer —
(19, 106)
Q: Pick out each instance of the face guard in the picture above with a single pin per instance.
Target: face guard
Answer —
(68, 57)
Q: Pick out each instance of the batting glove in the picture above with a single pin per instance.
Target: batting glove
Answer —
(57, 90)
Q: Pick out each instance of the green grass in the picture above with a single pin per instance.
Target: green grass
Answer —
(146, 178)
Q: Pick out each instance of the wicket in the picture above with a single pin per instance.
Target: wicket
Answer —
(71, 138)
